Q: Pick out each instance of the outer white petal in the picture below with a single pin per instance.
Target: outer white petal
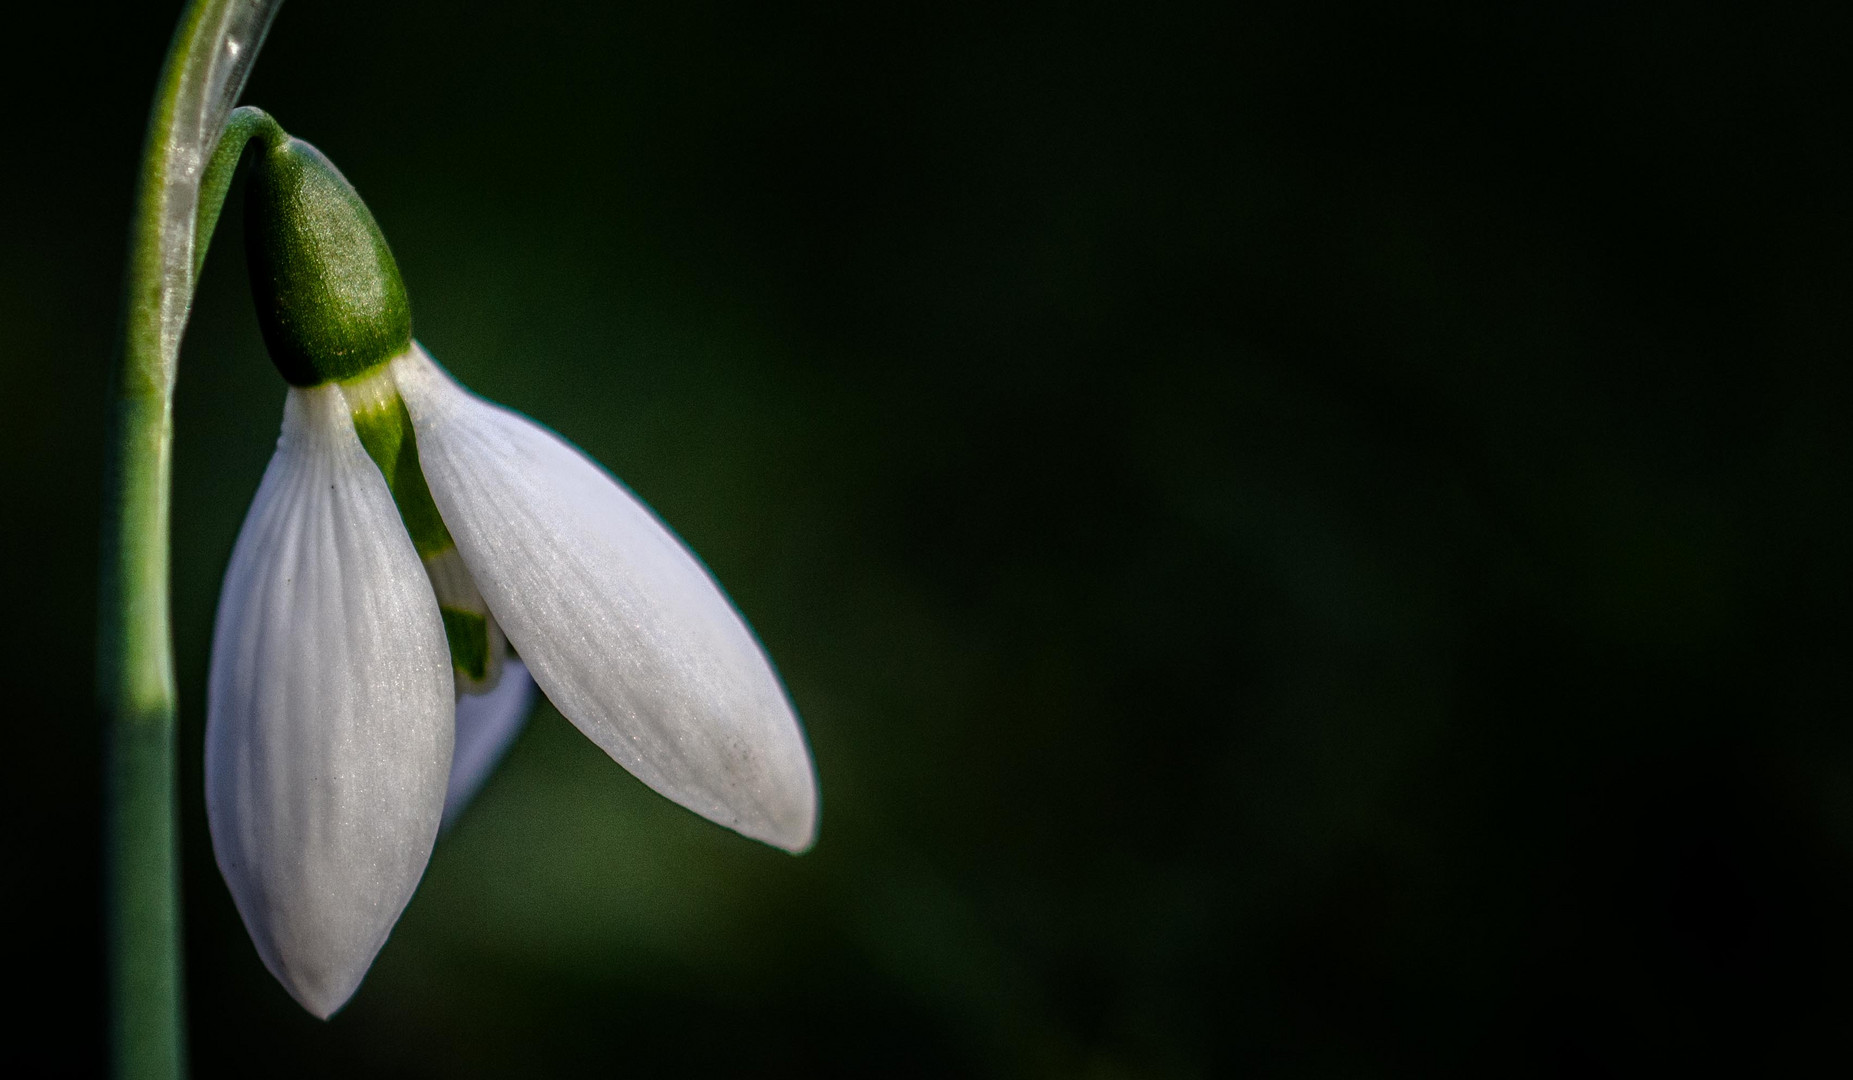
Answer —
(487, 724)
(620, 624)
(328, 714)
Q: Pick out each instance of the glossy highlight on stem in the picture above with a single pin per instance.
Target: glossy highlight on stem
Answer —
(207, 63)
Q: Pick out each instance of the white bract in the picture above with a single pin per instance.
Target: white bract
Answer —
(332, 699)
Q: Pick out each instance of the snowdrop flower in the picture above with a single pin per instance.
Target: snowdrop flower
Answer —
(404, 536)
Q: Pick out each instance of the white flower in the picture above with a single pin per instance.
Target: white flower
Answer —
(331, 705)
(405, 534)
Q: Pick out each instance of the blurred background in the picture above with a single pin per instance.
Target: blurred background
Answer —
(1309, 539)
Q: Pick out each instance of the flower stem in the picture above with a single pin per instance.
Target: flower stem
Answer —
(206, 67)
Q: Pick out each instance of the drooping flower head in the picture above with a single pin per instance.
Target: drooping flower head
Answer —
(406, 534)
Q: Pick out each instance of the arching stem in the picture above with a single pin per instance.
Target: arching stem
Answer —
(206, 67)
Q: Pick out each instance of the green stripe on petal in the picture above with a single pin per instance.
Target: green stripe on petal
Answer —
(468, 632)
(385, 429)
(476, 642)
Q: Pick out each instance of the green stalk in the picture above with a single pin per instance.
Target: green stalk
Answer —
(206, 67)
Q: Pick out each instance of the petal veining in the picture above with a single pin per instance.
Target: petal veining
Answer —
(619, 623)
(329, 710)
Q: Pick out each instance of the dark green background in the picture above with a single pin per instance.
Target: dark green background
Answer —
(1310, 540)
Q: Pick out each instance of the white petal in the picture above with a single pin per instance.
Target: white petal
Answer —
(328, 713)
(487, 724)
(620, 624)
